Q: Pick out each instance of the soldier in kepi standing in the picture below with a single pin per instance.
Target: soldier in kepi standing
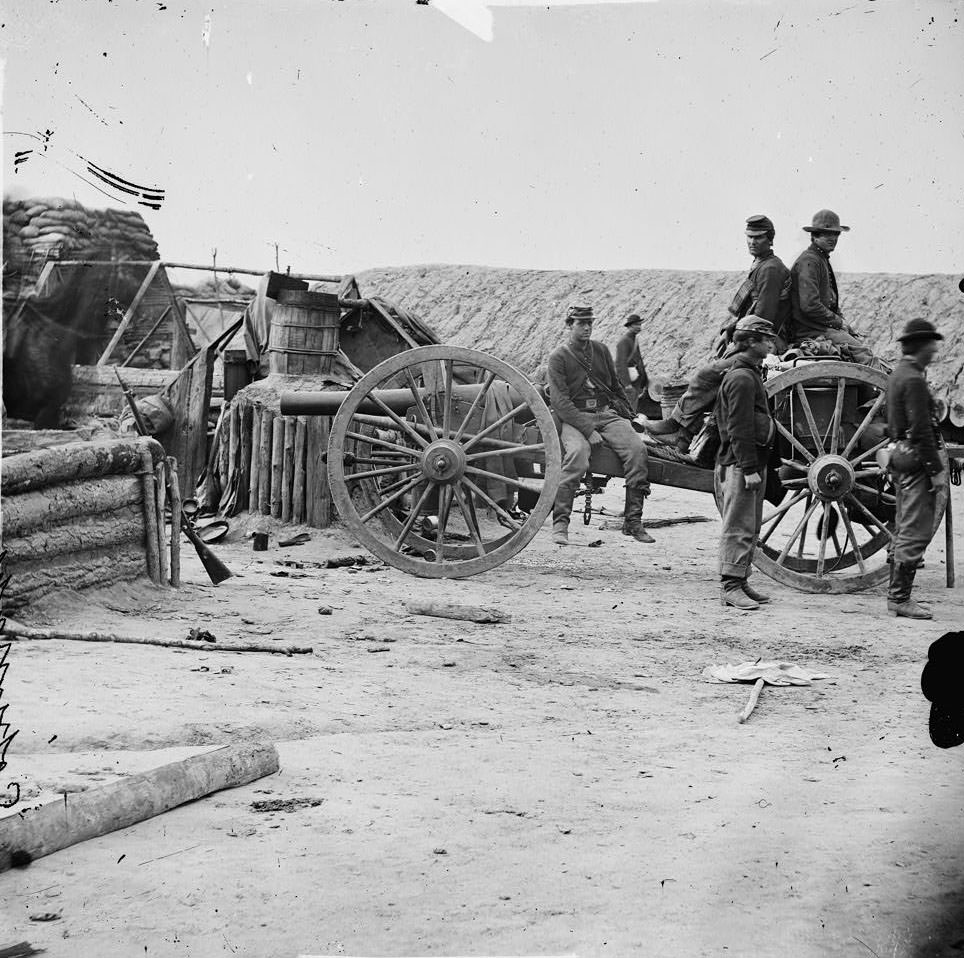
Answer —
(582, 386)
(746, 431)
(911, 416)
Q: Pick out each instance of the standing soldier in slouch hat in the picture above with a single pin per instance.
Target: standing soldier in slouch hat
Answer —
(582, 385)
(630, 367)
(746, 431)
(911, 416)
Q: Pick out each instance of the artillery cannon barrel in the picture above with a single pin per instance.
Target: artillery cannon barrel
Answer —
(328, 402)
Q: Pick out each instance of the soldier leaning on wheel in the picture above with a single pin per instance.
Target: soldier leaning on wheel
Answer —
(911, 416)
(746, 431)
(581, 373)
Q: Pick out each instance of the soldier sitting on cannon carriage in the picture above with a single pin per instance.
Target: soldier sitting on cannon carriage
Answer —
(585, 393)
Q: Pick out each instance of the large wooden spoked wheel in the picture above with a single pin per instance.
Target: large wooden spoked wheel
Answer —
(831, 531)
(426, 484)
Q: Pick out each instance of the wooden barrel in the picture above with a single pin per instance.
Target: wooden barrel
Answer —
(304, 333)
(670, 396)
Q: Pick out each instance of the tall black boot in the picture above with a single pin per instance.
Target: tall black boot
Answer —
(633, 514)
(898, 594)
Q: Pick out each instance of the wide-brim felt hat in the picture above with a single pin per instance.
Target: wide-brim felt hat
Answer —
(919, 329)
(632, 319)
(826, 221)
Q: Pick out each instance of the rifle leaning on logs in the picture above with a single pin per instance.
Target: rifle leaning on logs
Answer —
(217, 571)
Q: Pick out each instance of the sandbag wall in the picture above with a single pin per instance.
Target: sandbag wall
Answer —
(270, 464)
(85, 514)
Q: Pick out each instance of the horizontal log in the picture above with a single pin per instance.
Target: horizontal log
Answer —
(80, 536)
(451, 610)
(78, 460)
(36, 577)
(31, 511)
(23, 632)
(99, 811)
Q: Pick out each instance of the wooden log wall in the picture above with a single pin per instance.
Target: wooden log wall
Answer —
(274, 465)
(84, 514)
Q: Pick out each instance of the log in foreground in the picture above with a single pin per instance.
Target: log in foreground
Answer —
(17, 631)
(450, 610)
(102, 810)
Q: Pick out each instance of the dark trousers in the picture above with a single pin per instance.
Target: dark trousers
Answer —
(742, 514)
(916, 511)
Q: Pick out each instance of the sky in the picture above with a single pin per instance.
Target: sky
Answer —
(365, 133)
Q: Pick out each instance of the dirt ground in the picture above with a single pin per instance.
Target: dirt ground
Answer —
(564, 784)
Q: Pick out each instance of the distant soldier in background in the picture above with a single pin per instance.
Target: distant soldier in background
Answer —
(583, 390)
(630, 367)
(765, 293)
(917, 469)
(746, 431)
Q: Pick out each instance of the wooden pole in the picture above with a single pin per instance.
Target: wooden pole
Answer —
(751, 702)
(129, 314)
(151, 537)
(298, 484)
(175, 493)
(277, 455)
(161, 488)
(255, 476)
(244, 479)
(99, 811)
(153, 329)
(949, 539)
(287, 467)
(264, 462)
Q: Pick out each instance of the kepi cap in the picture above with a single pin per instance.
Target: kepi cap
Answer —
(759, 225)
(755, 324)
(919, 329)
(579, 311)
(826, 221)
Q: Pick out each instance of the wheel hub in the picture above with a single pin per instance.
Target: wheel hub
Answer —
(443, 461)
(830, 477)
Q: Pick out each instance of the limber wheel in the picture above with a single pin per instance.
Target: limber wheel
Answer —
(831, 530)
(424, 476)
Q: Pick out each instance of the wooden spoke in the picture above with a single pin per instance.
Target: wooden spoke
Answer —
(382, 443)
(802, 466)
(391, 487)
(808, 413)
(394, 497)
(413, 516)
(387, 471)
(406, 427)
(872, 451)
(873, 519)
(799, 446)
(853, 539)
(447, 399)
(835, 421)
(479, 399)
(803, 535)
(383, 459)
(824, 533)
(511, 414)
(783, 507)
(444, 506)
(513, 524)
(511, 451)
(865, 422)
(801, 525)
(469, 519)
(508, 480)
(867, 473)
(794, 483)
(420, 404)
(883, 496)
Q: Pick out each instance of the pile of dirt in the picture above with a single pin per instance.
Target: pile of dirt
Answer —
(517, 315)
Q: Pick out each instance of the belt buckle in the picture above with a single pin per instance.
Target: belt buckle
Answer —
(591, 404)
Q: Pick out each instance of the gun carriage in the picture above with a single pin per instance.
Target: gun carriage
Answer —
(429, 451)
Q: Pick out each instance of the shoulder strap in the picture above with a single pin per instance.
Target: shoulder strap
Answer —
(601, 386)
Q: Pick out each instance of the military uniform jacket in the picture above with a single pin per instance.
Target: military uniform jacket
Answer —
(765, 293)
(743, 417)
(629, 357)
(814, 299)
(911, 412)
(569, 388)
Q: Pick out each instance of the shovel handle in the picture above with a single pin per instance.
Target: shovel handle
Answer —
(751, 702)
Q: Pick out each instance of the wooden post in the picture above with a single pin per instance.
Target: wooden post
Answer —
(149, 506)
(175, 493)
(264, 462)
(129, 314)
(277, 455)
(317, 495)
(255, 477)
(223, 450)
(244, 478)
(949, 539)
(160, 486)
(287, 468)
(298, 484)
